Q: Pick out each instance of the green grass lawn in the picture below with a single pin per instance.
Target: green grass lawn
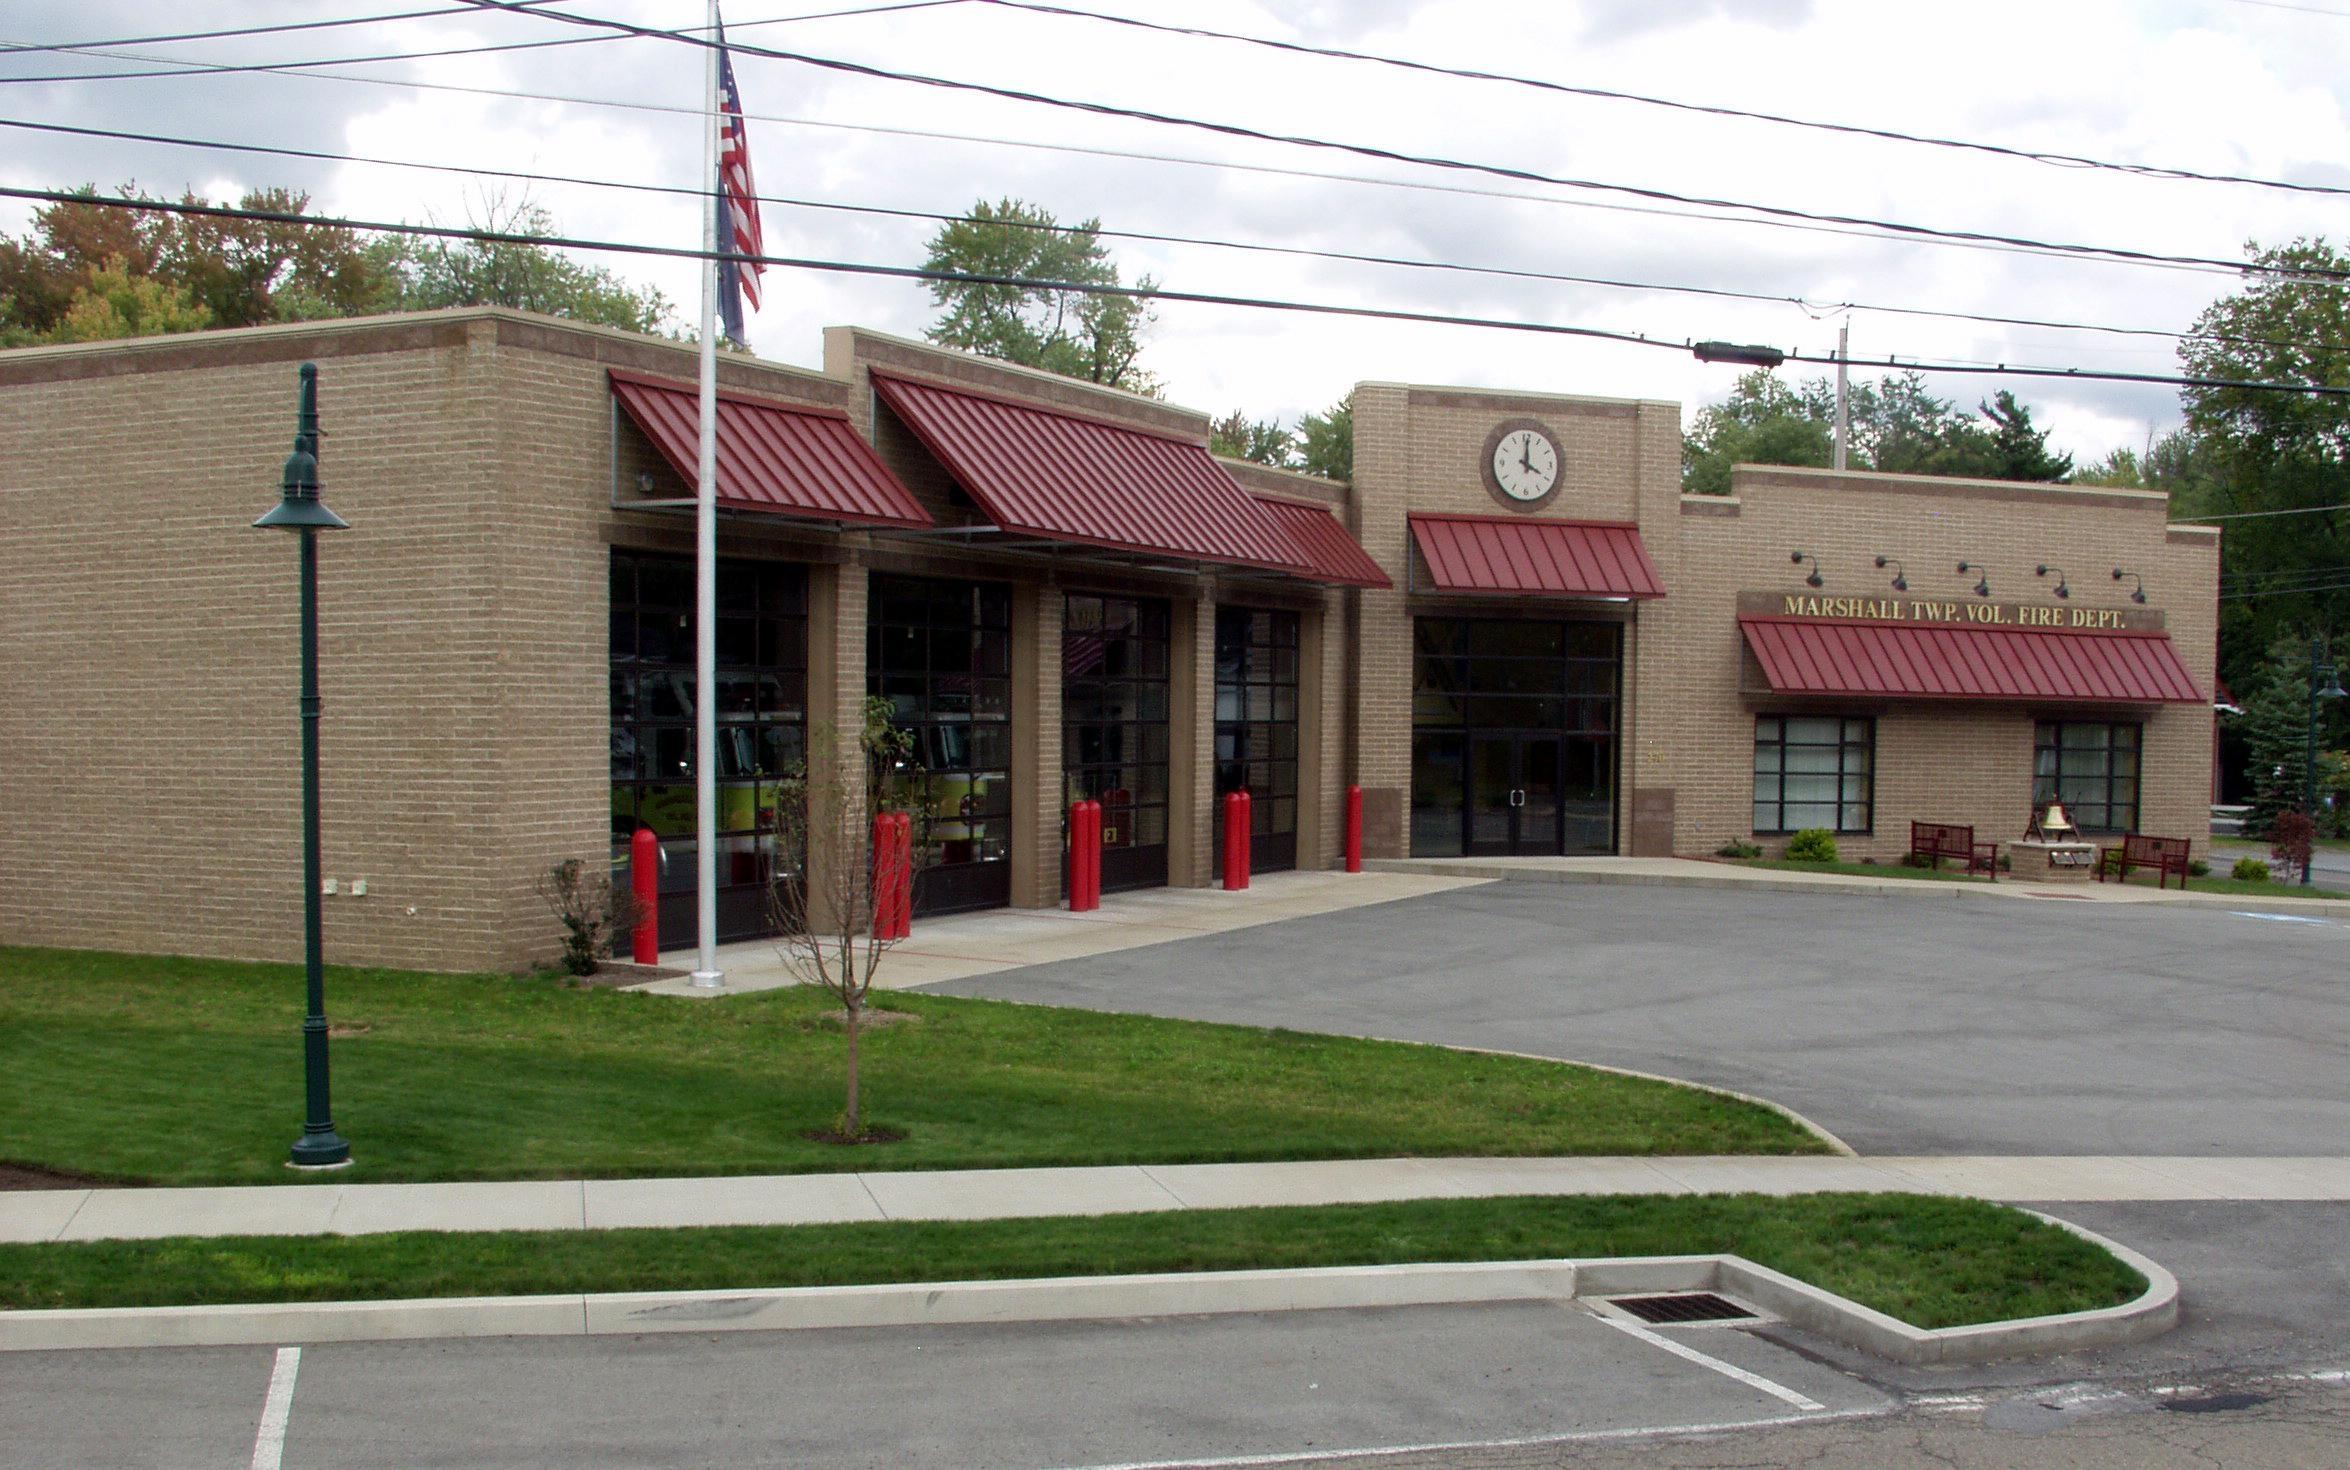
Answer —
(184, 1071)
(1930, 1261)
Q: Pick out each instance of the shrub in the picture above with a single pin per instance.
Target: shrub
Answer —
(593, 912)
(2250, 870)
(2198, 868)
(1916, 860)
(2290, 838)
(1738, 848)
(1812, 845)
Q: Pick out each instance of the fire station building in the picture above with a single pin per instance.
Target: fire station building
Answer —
(1512, 630)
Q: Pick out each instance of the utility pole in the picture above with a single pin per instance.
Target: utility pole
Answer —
(1843, 421)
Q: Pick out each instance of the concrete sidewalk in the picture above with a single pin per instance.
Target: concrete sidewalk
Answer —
(963, 945)
(1681, 872)
(807, 1199)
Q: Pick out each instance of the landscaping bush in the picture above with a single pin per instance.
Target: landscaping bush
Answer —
(2250, 870)
(2290, 838)
(593, 912)
(1916, 860)
(1735, 848)
(1812, 845)
(2198, 868)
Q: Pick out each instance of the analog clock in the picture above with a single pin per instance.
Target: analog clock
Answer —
(1525, 464)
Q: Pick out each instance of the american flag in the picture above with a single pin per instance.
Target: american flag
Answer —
(738, 227)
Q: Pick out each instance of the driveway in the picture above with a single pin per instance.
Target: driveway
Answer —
(1904, 1025)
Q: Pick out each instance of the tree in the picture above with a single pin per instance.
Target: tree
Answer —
(1074, 333)
(528, 277)
(1261, 441)
(1326, 440)
(824, 894)
(2020, 451)
(1896, 425)
(2275, 724)
(114, 303)
(2267, 451)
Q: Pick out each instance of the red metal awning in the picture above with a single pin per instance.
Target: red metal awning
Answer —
(1041, 472)
(1323, 544)
(1929, 661)
(778, 458)
(1506, 555)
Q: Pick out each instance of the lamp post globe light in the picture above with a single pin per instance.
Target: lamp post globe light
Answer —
(303, 513)
(2325, 682)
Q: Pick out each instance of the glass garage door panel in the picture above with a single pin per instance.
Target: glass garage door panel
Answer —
(940, 651)
(1514, 736)
(1257, 717)
(1114, 738)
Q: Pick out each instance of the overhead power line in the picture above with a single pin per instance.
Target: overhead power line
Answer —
(2031, 155)
(1255, 247)
(924, 273)
(1364, 150)
(451, 8)
(314, 69)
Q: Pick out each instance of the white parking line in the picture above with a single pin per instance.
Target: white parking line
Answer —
(269, 1445)
(1728, 1370)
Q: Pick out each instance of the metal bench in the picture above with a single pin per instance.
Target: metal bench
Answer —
(1935, 841)
(2165, 855)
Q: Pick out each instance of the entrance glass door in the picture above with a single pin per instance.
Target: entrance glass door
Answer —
(1514, 791)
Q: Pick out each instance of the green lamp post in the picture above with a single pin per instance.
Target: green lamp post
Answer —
(2321, 673)
(304, 514)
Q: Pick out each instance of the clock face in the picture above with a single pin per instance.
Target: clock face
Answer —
(1525, 464)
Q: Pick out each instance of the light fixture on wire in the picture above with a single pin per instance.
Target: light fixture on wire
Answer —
(1900, 572)
(1815, 579)
(1982, 576)
(2137, 593)
(2063, 589)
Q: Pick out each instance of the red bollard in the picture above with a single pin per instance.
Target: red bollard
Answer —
(1354, 829)
(644, 865)
(1085, 856)
(1236, 840)
(893, 875)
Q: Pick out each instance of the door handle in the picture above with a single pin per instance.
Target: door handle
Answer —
(1518, 797)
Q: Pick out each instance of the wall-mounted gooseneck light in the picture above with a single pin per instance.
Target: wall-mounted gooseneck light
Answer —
(1900, 573)
(1982, 576)
(2137, 593)
(2062, 589)
(1815, 579)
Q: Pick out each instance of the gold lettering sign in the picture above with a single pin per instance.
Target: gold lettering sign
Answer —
(1926, 610)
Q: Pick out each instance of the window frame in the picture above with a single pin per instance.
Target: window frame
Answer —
(2048, 740)
(1844, 772)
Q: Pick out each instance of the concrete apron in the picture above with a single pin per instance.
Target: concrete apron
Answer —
(963, 945)
(1082, 1298)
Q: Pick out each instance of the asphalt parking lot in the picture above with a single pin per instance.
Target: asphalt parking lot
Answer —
(1904, 1025)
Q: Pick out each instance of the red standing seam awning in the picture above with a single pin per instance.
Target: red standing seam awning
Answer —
(777, 458)
(1040, 472)
(1932, 661)
(1506, 555)
(1324, 545)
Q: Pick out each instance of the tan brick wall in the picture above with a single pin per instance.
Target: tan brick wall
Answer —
(1958, 762)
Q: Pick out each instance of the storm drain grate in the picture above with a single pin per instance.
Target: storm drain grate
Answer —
(1683, 1306)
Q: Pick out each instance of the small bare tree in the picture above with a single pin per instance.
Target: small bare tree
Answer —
(824, 892)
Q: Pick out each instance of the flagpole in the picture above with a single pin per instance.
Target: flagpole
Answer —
(706, 973)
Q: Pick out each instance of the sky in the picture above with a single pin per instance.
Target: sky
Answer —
(2255, 87)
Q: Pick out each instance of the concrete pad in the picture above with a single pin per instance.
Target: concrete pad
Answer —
(2259, 1178)
(804, 1199)
(38, 1214)
(144, 1214)
(983, 1194)
(372, 1209)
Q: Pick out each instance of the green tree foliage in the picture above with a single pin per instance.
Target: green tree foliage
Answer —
(1262, 441)
(1897, 427)
(2270, 451)
(438, 273)
(1326, 441)
(88, 271)
(2275, 725)
(1097, 338)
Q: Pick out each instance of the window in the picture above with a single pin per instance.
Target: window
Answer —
(1256, 725)
(2092, 767)
(1814, 771)
(1114, 699)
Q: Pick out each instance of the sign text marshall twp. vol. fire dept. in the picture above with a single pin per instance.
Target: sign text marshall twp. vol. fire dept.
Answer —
(1928, 610)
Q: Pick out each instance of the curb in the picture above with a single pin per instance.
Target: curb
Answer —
(1094, 1298)
(1839, 883)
